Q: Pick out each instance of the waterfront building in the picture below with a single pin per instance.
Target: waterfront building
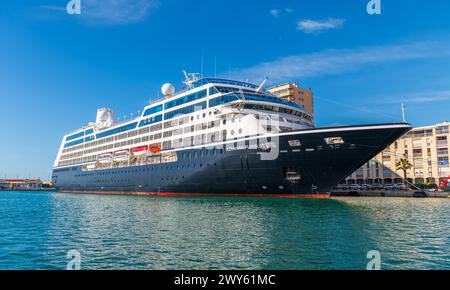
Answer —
(294, 93)
(426, 148)
(20, 184)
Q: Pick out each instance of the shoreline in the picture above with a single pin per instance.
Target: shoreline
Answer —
(27, 189)
(377, 193)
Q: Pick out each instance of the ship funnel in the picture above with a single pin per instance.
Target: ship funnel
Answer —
(105, 118)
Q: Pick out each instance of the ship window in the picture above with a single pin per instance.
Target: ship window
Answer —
(117, 130)
(222, 100)
(184, 120)
(185, 110)
(149, 121)
(334, 140)
(213, 90)
(74, 136)
(294, 143)
(153, 110)
(186, 99)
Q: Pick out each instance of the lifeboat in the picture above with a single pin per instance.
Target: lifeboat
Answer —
(139, 151)
(155, 148)
(105, 157)
(122, 155)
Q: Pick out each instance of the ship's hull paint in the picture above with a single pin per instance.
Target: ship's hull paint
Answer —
(180, 194)
(242, 172)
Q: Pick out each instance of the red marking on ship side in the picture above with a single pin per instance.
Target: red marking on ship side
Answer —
(178, 194)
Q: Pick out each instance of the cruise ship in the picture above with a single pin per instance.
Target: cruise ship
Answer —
(216, 137)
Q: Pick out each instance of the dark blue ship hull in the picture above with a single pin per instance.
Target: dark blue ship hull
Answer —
(313, 168)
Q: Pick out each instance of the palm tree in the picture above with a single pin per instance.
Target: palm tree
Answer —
(404, 165)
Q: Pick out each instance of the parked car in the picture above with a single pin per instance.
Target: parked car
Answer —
(389, 186)
(366, 186)
(377, 186)
(355, 187)
(400, 186)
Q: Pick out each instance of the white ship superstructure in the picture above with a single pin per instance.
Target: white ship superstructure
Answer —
(195, 117)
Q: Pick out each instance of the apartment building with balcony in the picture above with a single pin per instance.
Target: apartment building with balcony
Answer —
(294, 93)
(426, 148)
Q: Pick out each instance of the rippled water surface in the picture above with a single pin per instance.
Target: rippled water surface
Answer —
(37, 229)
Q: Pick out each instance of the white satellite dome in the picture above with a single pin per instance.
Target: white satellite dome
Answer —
(168, 90)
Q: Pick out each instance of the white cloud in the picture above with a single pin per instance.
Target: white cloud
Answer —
(315, 26)
(117, 11)
(422, 97)
(53, 7)
(279, 12)
(329, 62)
(112, 12)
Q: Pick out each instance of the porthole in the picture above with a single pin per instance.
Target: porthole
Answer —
(232, 132)
(240, 131)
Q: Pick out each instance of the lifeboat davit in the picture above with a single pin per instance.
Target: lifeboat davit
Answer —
(139, 151)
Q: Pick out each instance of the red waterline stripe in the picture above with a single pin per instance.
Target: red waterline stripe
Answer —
(177, 194)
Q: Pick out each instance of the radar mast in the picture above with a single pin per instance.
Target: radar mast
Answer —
(190, 78)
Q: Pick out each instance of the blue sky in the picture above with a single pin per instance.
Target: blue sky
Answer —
(57, 69)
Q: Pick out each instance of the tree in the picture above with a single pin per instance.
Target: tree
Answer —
(404, 165)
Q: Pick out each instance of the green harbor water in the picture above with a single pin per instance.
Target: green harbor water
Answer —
(37, 229)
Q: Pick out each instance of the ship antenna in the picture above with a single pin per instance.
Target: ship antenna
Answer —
(201, 72)
(403, 113)
(190, 78)
(261, 86)
(215, 66)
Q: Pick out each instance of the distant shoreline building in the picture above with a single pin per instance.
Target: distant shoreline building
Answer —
(426, 148)
(293, 92)
(21, 184)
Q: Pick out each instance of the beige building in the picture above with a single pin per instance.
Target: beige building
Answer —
(426, 148)
(296, 94)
